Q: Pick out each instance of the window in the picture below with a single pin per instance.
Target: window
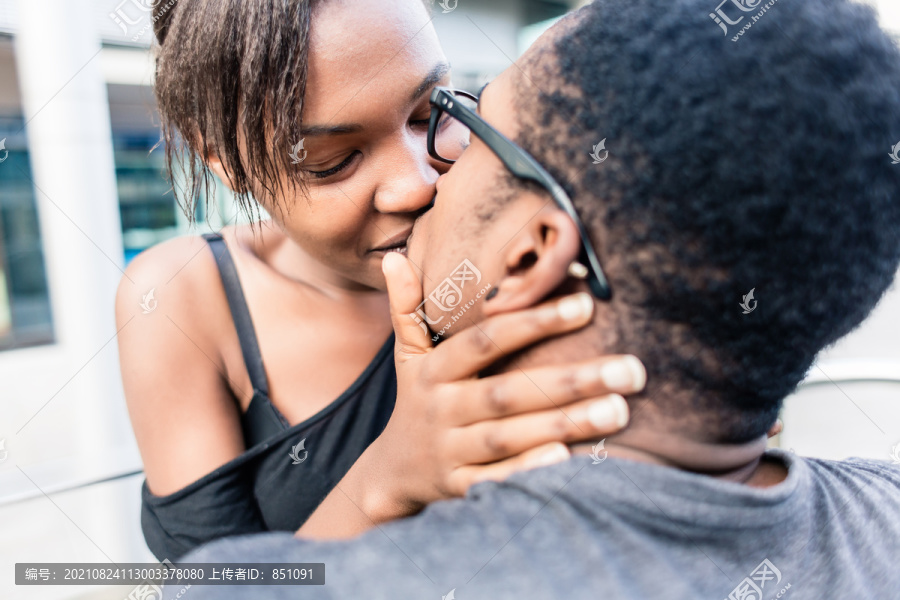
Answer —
(25, 317)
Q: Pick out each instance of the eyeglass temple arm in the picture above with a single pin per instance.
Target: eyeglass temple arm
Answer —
(526, 167)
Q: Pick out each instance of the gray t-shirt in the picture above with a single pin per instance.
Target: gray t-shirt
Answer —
(616, 529)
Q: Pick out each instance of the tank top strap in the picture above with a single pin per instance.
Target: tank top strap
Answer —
(239, 313)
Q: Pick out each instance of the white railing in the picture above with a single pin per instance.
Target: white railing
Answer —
(848, 370)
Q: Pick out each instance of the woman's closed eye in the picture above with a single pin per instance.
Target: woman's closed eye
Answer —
(335, 169)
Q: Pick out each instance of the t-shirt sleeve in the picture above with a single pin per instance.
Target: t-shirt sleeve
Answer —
(214, 507)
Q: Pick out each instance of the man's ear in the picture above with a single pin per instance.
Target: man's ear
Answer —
(536, 261)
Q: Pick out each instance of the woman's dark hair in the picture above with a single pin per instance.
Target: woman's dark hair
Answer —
(226, 67)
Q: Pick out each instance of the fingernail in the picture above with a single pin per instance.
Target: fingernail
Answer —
(612, 410)
(576, 307)
(626, 374)
(387, 258)
(557, 455)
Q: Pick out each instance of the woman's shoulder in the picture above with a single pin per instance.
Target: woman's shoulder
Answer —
(178, 265)
(185, 268)
(174, 290)
(178, 281)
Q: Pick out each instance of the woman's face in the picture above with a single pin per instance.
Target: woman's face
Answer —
(372, 67)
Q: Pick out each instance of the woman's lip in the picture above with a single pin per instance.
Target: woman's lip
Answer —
(401, 249)
(394, 244)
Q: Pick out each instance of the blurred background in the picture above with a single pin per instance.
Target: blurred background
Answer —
(81, 194)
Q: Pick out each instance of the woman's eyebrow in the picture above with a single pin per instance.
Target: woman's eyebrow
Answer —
(314, 130)
(432, 79)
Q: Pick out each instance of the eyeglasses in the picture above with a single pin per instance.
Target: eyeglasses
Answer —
(453, 119)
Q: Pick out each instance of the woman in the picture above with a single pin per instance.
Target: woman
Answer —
(256, 426)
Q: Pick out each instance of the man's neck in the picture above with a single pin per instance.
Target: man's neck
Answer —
(740, 463)
(650, 437)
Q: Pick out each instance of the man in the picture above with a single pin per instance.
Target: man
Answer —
(727, 166)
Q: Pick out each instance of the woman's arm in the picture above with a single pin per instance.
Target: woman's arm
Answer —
(184, 417)
(450, 429)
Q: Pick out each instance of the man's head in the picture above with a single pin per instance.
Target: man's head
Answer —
(756, 164)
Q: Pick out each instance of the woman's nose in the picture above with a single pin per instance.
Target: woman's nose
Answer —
(409, 184)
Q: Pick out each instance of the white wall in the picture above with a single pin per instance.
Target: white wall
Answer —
(837, 419)
(480, 37)
(889, 11)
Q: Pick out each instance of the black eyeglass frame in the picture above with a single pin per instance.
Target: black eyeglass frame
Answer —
(521, 164)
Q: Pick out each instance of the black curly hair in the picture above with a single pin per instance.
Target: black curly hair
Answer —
(760, 163)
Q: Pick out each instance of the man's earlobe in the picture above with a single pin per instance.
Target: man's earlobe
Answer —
(538, 261)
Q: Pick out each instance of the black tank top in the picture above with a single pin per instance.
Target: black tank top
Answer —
(286, 472)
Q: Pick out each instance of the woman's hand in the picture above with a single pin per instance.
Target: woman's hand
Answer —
(450, 429)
